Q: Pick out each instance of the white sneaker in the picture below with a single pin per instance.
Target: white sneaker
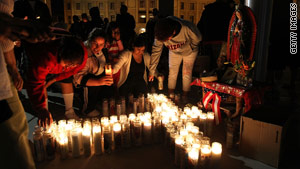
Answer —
(70, 114)
(93, 113)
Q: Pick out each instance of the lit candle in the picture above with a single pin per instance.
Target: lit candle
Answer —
(39, 151)
(203, 118)
(63, 146)
(147, 132)
(86, 141)
(137, 133)
(193, 154)
(75, 142)
(117, 142)
(216, 154)
(157, 130)
(141, 103)
(108, 70)
(179, 141)
(205, 155)
(189, 126)
(147, 115)
(107, 134)
(132, 117)
(126, 135)
(97, 139)
(68, 128)
(49, 145)
(113, 119)
(210, 123)
(123, 118)
(140, 116)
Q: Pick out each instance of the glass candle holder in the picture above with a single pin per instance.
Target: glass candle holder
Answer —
(126, 138)
(117, 141)
(137, 133)
(86, 136)
(108, 70)
(97, 139)
(147, 130)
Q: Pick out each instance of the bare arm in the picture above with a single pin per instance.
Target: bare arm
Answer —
(13, 70)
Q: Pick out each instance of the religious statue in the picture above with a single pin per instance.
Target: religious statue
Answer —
(241, 40)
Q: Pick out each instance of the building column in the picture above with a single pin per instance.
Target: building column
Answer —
(263, 14)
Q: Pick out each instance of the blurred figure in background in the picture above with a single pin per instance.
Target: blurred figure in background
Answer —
(127, 25)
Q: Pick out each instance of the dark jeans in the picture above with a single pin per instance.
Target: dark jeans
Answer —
(135, 87)
(95, 94)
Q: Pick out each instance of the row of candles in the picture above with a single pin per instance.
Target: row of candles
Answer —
(185, 132)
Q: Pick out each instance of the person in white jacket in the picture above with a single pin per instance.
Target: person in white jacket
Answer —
(182, 39)
(132, 66)
(92, 77)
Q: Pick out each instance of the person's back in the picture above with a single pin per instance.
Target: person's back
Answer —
(85, 26)
(96, 21)
(127, 25)
(75, 28)
(214, 21)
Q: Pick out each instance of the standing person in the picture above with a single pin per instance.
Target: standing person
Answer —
(92, 77)
(132, 66)
(181, 38)
(127, 25)
(75, 28)
(114, 44)
(15, 150)
(150, 29)
(96, 21)
(213, 25)
(85, 26)
(61, 58)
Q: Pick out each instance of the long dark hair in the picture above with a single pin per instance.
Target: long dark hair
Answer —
(70, 50)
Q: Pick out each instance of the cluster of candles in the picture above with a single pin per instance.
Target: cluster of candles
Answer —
(185, 132)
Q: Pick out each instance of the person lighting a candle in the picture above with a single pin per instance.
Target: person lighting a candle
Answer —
(97, 85)
(132, 65)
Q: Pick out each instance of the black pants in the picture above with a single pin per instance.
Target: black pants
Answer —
(135, 87)
(95, 94)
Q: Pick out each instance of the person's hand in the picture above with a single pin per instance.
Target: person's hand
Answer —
(105, 80)
(151, 78)
(44, 117)
(117, 36)
(17, 79)
(50, 82)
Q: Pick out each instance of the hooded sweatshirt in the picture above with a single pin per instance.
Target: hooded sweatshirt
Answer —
(184, 43)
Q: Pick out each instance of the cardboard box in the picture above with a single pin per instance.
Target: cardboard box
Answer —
(260, 140)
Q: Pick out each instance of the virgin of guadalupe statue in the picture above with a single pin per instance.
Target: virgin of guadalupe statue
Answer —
(241, 36)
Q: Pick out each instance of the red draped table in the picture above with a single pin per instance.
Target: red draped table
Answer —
(251, 97)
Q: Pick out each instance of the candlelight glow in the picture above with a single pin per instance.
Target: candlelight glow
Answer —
(97, 129)
(123, 118)
(194, 154)
(205, 150)
(113, 119)
(203, 116)
(104, 120)
(216, 148)
(132, 117)
(117, 127)
(210, 115)
(179, 140)
(86, 132)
